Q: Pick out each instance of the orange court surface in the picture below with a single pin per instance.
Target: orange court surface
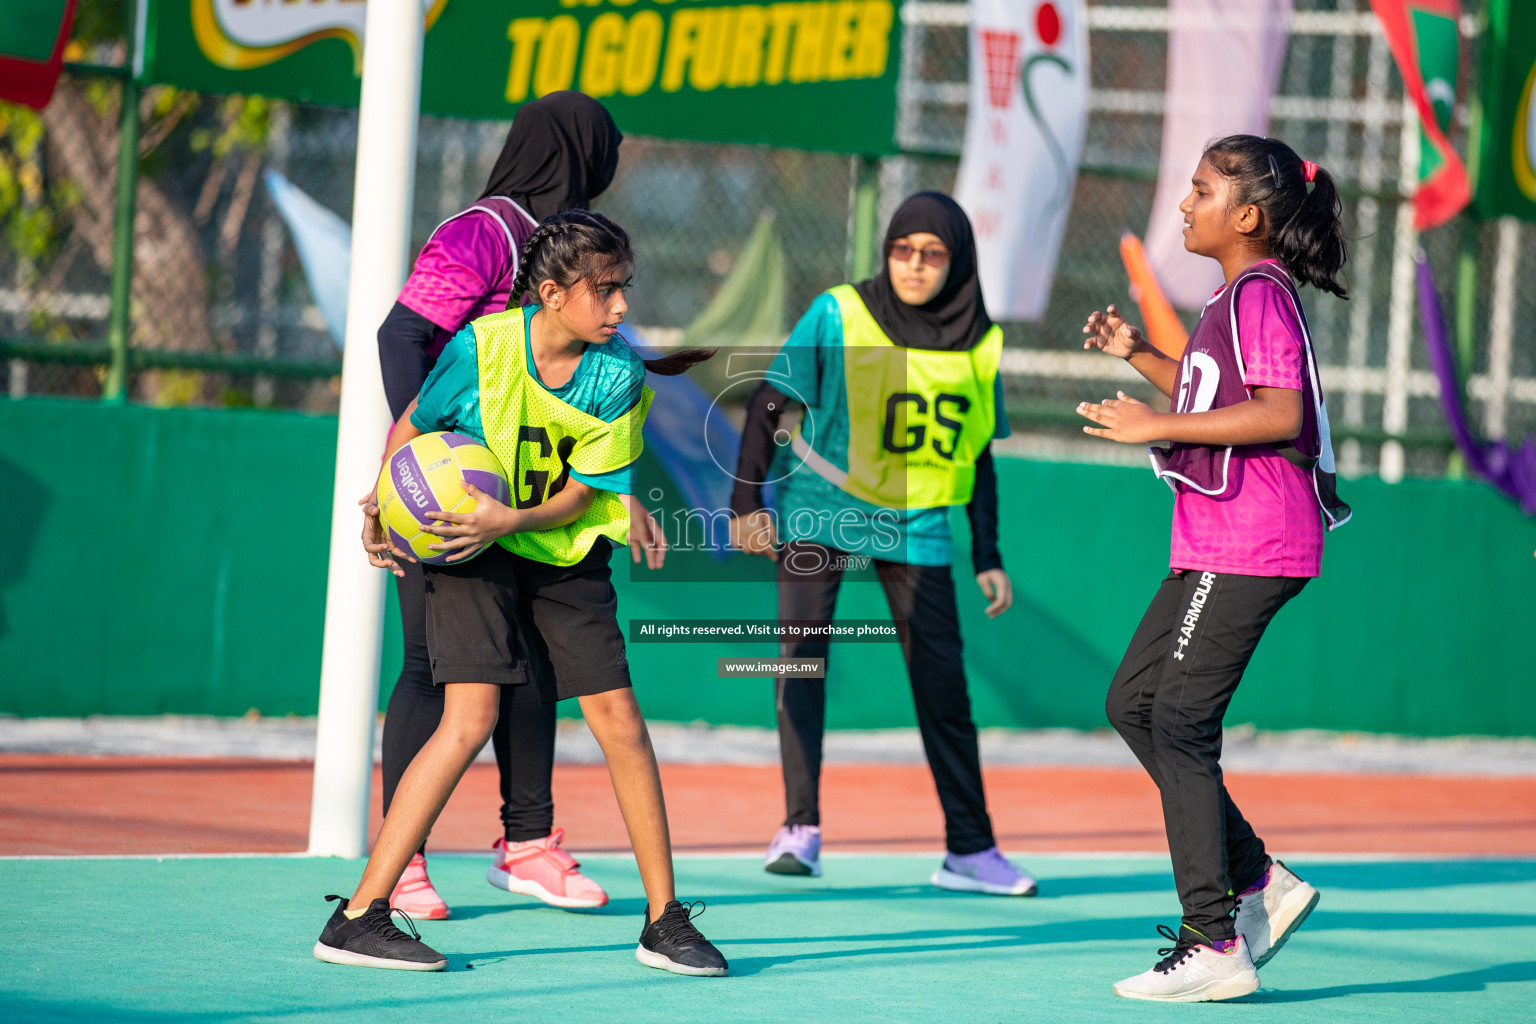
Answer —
(53, 804)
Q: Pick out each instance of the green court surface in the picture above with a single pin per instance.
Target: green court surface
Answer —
(229, 939)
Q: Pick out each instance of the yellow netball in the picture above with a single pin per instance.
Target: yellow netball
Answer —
(428, 475)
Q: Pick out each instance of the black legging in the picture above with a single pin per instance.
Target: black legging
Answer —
(923, 596)
(524, 738)
(1167, 700)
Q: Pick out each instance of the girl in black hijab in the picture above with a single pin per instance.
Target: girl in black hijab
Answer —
(956, 318)
(897, 379)
(561, 152)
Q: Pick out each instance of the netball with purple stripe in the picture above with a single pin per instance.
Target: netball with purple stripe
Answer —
(398, 541)
(490, 483)
(411, 484)
(430, 474)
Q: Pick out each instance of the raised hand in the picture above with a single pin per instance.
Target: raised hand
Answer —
(1111, 334)
(1122, 419)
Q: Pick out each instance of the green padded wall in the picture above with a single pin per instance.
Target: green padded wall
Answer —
(173, 560)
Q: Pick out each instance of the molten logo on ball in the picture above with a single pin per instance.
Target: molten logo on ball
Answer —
(412, 485)
(431, 474)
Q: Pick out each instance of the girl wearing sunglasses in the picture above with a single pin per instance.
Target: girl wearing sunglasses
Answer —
(897, 381)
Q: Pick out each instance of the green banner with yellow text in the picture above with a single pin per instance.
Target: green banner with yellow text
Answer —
(811, 74)
(1506, 152)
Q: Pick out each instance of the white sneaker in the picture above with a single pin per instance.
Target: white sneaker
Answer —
(1193, 974)
(1267, 916)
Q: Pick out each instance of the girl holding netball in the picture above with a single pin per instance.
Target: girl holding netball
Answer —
(1251, 466)
(559, 396)
(560, 153)
(897, 377)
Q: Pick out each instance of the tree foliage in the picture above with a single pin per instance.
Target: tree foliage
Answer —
(199, 160)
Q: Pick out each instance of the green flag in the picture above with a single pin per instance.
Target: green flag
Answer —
(1505, 162)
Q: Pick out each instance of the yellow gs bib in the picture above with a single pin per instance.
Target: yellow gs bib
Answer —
(917, 419)
(540, 439)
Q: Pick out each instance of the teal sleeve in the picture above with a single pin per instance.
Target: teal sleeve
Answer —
(621, 390)
(799, 362)
(619, 382)
(450, 396)
(619, 481)
(1002, 429)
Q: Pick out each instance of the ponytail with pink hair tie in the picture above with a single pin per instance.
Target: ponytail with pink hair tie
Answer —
(1309, 170)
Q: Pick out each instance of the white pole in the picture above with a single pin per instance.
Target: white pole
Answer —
(1501, 329)
(1362, 262)
(1394, 414)
(354, 605)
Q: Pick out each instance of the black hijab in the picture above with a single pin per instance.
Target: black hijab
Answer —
(953, 320)
(561, 152)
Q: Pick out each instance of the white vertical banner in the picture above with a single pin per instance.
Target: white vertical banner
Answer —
(1224, 61)
(1023, 139)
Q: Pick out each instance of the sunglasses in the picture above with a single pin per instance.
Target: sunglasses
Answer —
(935, 257)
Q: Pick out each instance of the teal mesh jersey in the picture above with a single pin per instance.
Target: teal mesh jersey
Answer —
(606, 384)
(810, 369)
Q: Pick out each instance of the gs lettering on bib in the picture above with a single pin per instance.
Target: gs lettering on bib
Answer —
(917, 419)
(909, 426)
(537, 458)
(541, 439)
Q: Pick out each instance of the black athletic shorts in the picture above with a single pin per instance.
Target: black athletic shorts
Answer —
(501, 618)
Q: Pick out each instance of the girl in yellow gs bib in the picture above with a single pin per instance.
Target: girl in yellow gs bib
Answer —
(558, 395)
(897, 379)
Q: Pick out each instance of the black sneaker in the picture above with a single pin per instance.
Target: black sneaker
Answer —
(672, 943)
(372, 940)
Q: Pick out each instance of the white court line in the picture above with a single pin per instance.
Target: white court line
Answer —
(1352, 858)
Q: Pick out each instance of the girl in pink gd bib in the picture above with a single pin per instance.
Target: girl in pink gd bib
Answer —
(1251, 466)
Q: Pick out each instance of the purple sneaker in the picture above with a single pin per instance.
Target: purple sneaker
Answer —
(795, 850)
(988, 871)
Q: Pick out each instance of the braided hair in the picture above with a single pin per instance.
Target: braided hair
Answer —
(578, 245)
(1303, 226)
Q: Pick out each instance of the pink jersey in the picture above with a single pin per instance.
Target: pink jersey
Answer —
(466, 268)
(1268, 524)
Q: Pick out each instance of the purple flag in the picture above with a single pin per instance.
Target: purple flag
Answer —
(1510, 470)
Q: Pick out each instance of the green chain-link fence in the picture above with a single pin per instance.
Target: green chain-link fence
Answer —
(221, 313)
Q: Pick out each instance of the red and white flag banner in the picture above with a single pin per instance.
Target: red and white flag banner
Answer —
(1425, 40)
(32, 49)
(1023, 139)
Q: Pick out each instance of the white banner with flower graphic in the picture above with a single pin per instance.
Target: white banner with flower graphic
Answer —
(1023, 139)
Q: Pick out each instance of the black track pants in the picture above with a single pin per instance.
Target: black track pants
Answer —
(924, 596)
(524, 738)
(1168, 698)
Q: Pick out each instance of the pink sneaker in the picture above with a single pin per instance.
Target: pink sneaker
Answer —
(414, 896)
(539, 868)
